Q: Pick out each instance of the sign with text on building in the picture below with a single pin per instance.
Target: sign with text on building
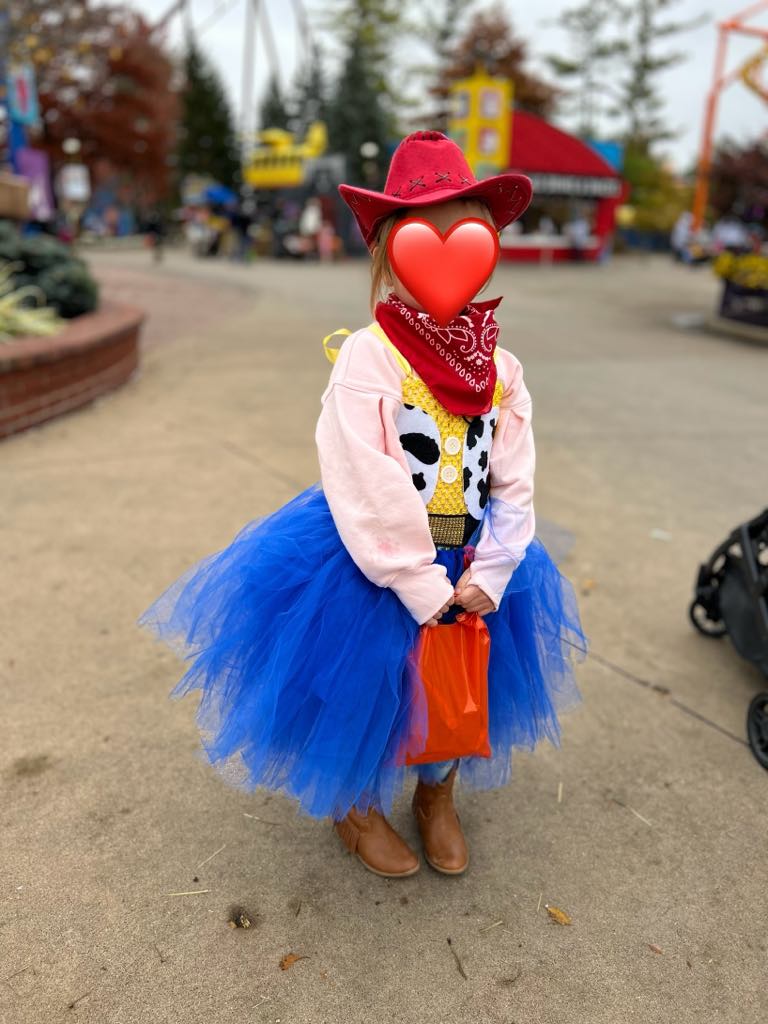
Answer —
(479, 121)
(582, 186)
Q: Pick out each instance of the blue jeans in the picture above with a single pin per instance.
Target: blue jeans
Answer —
(436, 771)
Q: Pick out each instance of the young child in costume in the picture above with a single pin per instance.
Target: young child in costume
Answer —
(302, 632)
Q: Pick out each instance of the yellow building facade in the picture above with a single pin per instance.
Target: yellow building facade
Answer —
(480, 120)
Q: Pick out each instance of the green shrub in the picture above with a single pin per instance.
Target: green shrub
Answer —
(41, 252)
(42, 262)
(69, 288)
(9, 242)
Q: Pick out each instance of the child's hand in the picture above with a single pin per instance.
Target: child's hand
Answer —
(437, 615)
(472, 598)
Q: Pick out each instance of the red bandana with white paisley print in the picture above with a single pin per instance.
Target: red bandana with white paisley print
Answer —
(456, 362)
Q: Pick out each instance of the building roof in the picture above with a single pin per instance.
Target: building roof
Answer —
(538, 146)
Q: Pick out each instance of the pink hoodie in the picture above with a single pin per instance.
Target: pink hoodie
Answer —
(378, 512)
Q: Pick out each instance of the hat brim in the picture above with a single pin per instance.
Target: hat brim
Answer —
(507, 195)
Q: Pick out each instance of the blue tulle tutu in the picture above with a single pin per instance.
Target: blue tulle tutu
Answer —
(304, 670)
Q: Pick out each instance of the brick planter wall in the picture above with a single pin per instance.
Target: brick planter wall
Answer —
(41, 378)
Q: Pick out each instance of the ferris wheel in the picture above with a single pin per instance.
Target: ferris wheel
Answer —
(255, 12)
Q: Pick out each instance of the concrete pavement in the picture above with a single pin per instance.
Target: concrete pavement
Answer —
(657, 846)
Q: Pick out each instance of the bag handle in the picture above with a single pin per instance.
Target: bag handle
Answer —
(332, 352)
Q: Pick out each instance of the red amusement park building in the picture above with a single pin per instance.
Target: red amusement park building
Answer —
(575, 195)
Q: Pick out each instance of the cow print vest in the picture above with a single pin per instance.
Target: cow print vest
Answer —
(449, 459)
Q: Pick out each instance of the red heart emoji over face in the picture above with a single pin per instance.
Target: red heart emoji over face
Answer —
(443, 272)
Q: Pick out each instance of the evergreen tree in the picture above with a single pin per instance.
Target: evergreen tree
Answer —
(273, 112)
(363, 101)
(640, 102)
(309, 99)
(208, 143)
(591, 61)
(440, 31)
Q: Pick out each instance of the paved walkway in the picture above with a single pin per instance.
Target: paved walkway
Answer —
(648, 827)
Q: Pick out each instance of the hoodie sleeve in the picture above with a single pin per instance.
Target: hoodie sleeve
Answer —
(510, 525)
(379, 514)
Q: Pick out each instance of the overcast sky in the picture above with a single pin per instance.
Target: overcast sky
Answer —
(741, 114)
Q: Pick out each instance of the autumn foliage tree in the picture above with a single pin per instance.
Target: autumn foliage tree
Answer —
(490, 41)
(739, 180)
(105, 80)
(58, 37)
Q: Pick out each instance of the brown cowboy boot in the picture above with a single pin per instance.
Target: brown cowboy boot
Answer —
(439, 826)
(376, 844)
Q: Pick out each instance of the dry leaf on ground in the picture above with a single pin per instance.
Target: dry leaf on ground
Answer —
(289, 960)
(239, 918)
(557, 915)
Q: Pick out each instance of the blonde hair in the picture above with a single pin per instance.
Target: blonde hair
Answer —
(381, 272)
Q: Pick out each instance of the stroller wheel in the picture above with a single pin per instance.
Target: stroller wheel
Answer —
(701, 620)
(757, 728)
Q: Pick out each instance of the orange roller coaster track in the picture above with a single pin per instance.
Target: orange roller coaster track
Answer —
(749, 73)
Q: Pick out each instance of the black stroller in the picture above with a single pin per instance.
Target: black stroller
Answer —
(732, 597)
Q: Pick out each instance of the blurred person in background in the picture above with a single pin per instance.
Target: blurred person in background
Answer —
(241, 219)
(310, 224)
(286, 239)
(730, 234)
(326, 242)
(546, 226)
(577, 232)
(218, 226)
(154, 233)
(196, 230)
(682, 236)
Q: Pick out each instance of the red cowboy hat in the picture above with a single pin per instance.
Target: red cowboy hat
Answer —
(426, 168)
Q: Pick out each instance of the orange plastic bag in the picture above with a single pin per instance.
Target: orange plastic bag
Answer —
(452, 661)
